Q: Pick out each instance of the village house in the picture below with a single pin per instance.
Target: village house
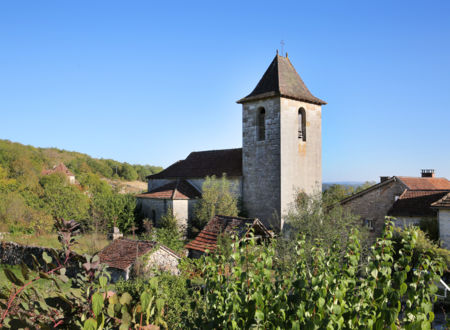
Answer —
(411, 200)
(61, 168)
(126, 257)
(219, 225)
(281, 154)
(443, 209)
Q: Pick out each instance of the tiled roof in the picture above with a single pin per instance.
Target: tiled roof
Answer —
(443, 203)
(122, 253)
(281, 79)
(200, 164)
(177, 189)
(425, 183)
(207, 238)
(60, 168)
(416, 203)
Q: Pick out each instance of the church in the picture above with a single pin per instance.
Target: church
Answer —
(281, 154)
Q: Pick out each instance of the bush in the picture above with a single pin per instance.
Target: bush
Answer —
(217, 198)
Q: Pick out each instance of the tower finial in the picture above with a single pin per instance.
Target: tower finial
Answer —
(277, 51)
(286, 55)
(282, 47)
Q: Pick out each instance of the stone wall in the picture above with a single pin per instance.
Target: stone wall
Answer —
(261, 162)
(375, 204)
(276, 168)
(13, 254)
(160, 206)
(301, 161)
(165, 260)
(444, 227)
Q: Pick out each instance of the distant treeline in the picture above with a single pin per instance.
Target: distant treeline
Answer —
(18, 157)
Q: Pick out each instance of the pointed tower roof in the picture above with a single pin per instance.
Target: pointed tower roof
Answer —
(281, 79)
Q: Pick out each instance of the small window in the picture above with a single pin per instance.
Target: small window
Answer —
(302, 124)
(261, 124)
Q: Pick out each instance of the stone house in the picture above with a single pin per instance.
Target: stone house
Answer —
(61, 168)
(281, 152)
(443, 208)
(125, 257)
(408, 199)
(178, 195)
(224, 225)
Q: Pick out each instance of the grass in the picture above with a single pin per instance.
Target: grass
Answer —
(88, 243)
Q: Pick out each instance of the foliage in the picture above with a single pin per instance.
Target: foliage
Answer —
(64, 200)
(310, 216)
(174, 290)
(337, 192)
(248, 288)
(115, 210)
(217, 198)
(431, 227)
(424, 245)
(251, 290)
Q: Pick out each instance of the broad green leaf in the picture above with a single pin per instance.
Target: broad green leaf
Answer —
(90, 324)
(46, 257)
(97, 303)
(12, 277)
(125, 299)
(103, 281)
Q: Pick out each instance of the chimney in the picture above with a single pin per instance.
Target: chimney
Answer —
(383, 178)
(427, 173)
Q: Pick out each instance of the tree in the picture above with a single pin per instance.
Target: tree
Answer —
(64, 200)
(312, 217)
(128, 172)
(217, 198)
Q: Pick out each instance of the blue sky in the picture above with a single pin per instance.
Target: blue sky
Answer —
(148, 82)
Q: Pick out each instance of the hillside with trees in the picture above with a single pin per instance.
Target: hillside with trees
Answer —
(30, 201)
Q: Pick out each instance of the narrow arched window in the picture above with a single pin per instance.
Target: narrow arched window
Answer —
(261, 124)
(302, 124)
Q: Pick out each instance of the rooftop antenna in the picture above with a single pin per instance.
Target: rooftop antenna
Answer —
(282, 47)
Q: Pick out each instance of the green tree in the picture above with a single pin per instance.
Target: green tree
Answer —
(128, 172)
(169, 233)
(64, 200)
(217, 198)
(115, 209)
(312, 217)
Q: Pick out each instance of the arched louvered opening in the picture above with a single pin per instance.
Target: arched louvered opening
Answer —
(261, 124)
(302, 124)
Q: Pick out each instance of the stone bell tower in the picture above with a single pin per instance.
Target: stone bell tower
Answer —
(281, 143)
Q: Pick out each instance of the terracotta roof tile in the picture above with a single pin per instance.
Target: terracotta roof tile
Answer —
(416, 203)
(122, 253)
(444, 202)
(281, 79)
(205, 163)
(220, 224)
(60, 168)
(425, 183)
(177, 189)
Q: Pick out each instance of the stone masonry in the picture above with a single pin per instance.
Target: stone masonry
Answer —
(261, 162)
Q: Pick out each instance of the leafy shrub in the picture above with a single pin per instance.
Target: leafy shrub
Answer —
(217, 198)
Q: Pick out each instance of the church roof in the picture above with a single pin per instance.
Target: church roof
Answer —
(200, 164)
(281, 79)
(177, 189)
